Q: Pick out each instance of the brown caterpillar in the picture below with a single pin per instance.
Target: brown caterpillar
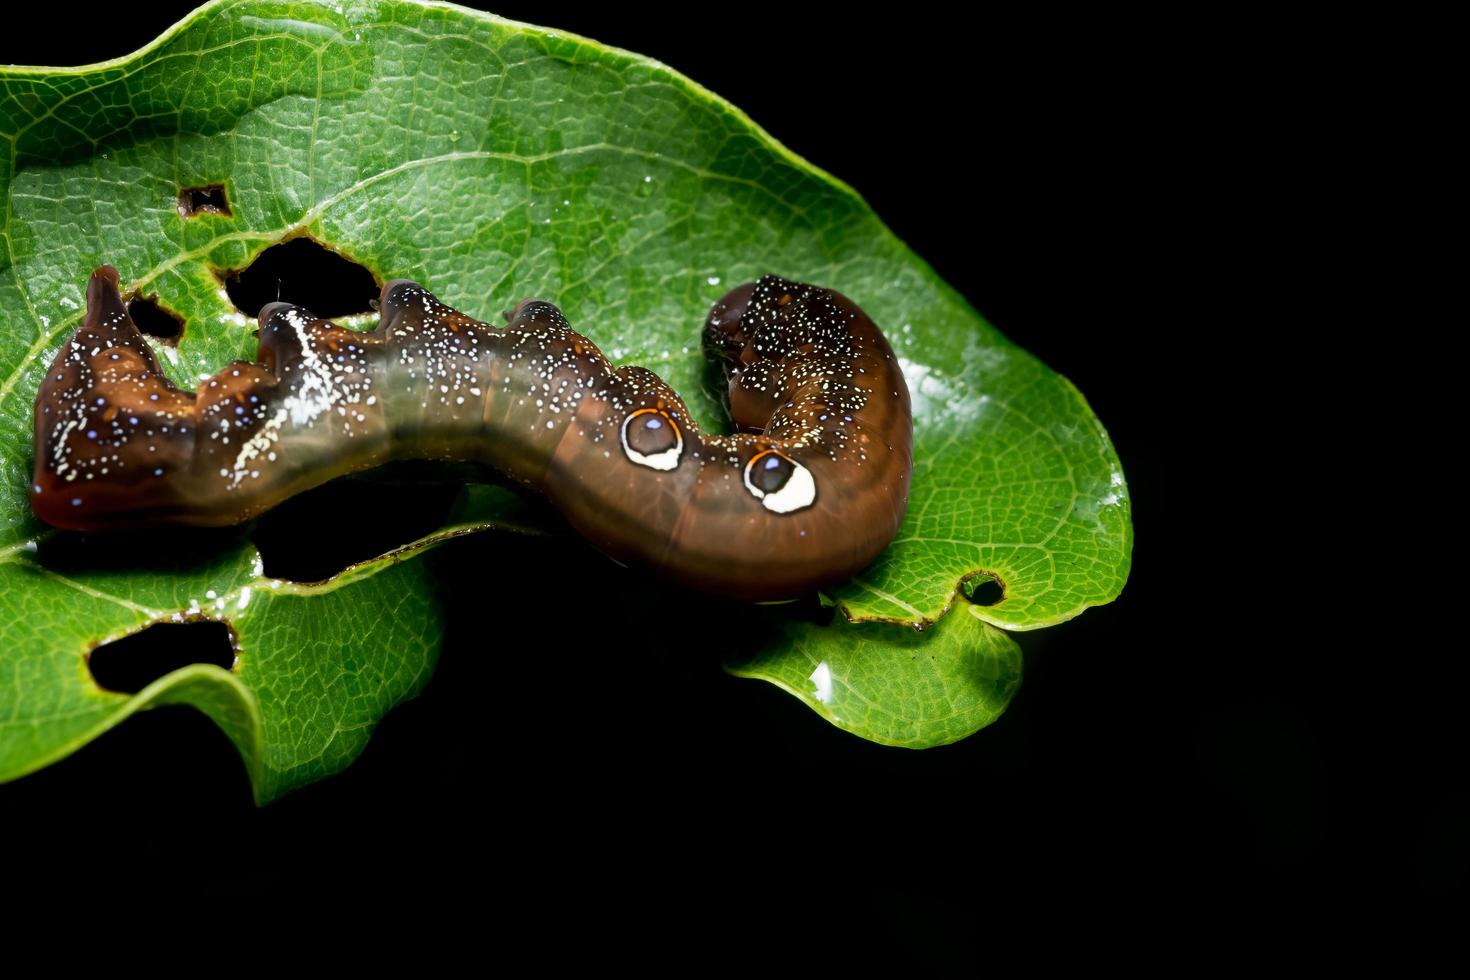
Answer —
(808, 491)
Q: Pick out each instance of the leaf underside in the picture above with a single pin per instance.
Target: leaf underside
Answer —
(492, 161)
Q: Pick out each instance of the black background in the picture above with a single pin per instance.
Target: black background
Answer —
(1087, 188)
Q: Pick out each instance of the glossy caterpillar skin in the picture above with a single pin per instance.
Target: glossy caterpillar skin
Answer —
(808, 491)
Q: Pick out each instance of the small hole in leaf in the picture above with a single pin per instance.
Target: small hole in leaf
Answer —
(305, 272)
(203, 200)
(982, 589)
(156, 321)
(132, 663)
(811, 609)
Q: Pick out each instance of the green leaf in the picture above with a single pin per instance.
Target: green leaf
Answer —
(491, 161)
(319, 664)
(893, 684)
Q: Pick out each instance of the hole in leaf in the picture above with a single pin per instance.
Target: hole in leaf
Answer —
(156, 321)
(305, 272)
(982, 588)
(164, 550)
(809, 609)
(315, 535)
(132, 663)
(203, 200)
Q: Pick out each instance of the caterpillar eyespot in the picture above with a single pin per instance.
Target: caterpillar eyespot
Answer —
(807, 491)
(651, 438)
(780, 483)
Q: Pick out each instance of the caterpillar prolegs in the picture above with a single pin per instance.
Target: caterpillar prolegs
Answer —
(809, 489)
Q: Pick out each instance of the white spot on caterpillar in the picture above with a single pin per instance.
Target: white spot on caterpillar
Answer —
(316, 393)
(257, 444)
